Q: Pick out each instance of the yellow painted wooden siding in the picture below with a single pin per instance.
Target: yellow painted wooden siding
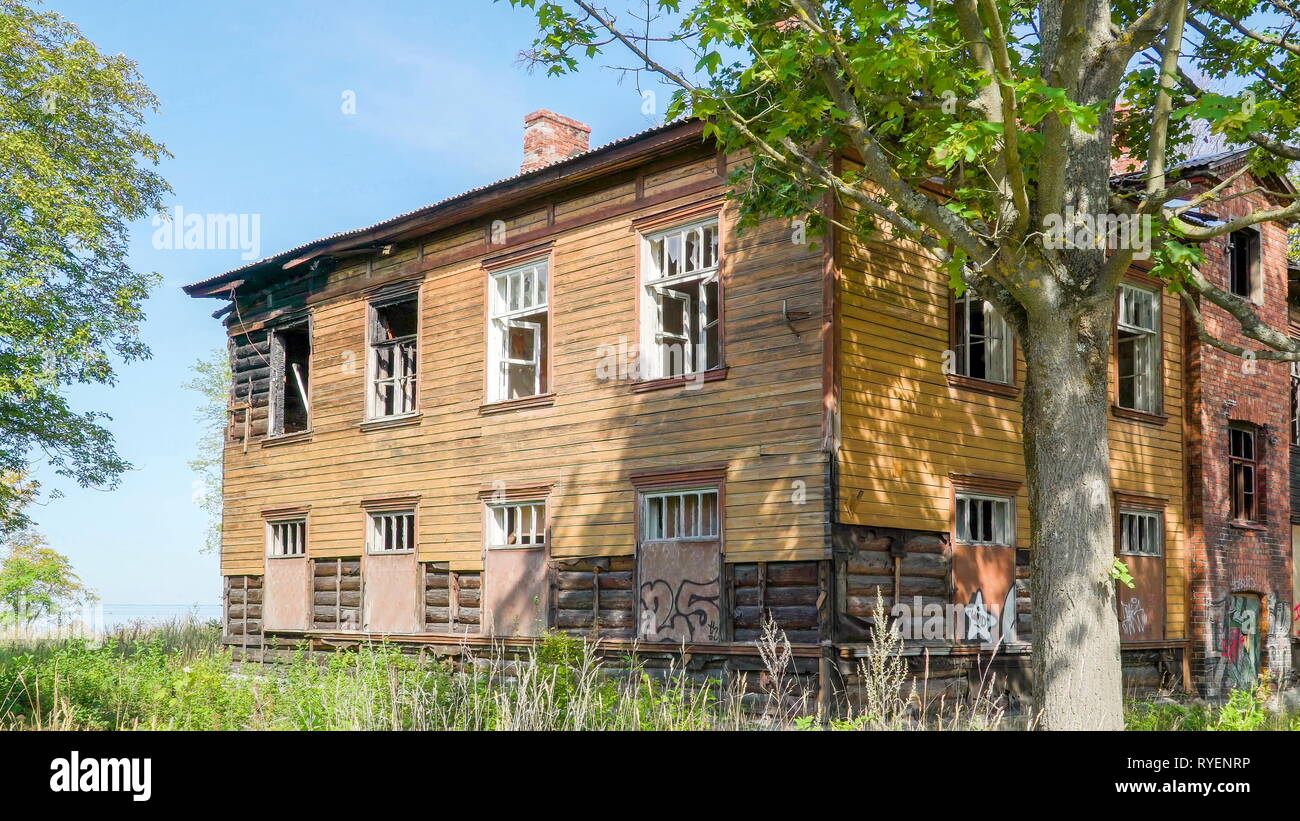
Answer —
(764, 420)
(904, 429)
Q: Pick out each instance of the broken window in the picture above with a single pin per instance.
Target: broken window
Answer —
(391, 532)
(286, 538)
(984, 520)
(983, 345)
(681, 515)
(682, 313)
(1243, 263)
(518, 331)
(1140, 533)
(1295, 404)
(1243, 462)
(1138, 349)
(517, 524)
(393, 357)
(290, 379)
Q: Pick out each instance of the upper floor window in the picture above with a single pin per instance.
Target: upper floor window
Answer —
(1140, 533)
(985, 519)
(982, 341)
(1243, 464)
(1243, 264)
(286, 538)
(518, 332)
(682, 302)
(1137, 349)
(391, 532)
(393, 356)
(290, 379)
(1295, 404)
(516, 524)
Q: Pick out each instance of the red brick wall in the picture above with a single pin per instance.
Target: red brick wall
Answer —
(1227, 558)
(551, 137)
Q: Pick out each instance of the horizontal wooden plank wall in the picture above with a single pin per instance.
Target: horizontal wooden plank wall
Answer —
(764, 419)
(904, 429)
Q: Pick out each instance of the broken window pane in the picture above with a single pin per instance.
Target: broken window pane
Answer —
(517, 333)
(983, 519)
(517, 524)
(1138, 349)
(983, 346)
(684, 330)
(287, 538)
(391, 532)
(394, 357)
(691, 514)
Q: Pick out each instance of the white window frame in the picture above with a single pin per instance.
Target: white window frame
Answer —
(534, 298)
(654, 522)
(498, 524)
(401, 379)
(999, 343)
(401, 524)
(656, 343)
(286, 538)
(1004, 534)
(1146, 353)
(1142, 524)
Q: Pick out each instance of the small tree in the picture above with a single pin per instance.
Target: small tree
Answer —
(211, 381)
(36, 580)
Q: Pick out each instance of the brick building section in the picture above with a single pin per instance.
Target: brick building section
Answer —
(551, 137)
(1228, 558)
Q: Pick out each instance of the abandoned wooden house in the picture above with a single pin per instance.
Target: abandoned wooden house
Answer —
(579, 399)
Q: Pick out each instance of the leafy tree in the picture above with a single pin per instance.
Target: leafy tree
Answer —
(73, 157)
(36, 580)
(975, 124)
(211, 382)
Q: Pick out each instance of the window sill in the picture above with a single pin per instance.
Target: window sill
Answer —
(956, 380)
(541, 400)
(1139, 416)
(666, 382)
(303, 556)
(286, 438)
(390, 552)
(1255, 526)
(386, 422)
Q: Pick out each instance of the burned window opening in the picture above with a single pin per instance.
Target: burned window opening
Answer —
(290, 380)
(1243, 262)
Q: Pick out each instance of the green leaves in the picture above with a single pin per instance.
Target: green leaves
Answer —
(74, 172)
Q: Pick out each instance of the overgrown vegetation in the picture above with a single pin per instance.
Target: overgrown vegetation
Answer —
(180, 677)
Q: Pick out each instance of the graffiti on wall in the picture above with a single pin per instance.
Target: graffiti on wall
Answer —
(1133, 618)
(680, 593)
(1241, 631)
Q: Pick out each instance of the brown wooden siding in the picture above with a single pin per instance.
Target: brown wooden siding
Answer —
(763, 420)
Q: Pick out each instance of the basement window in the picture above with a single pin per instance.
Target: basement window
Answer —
(1138, 349)
(682, 307)
(982, 341)
(391, 532)
(393, 357)
(1140, 533)
(286, 538)
(985, 520)
(1243, 264)
(290, 379)
(519, 332)
(1243, 478)
(516, 524)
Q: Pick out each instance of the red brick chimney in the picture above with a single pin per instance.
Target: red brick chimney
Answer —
(551, 137)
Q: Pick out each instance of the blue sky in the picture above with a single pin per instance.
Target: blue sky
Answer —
(251, 106)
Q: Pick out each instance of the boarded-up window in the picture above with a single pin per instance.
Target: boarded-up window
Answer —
(984, 566)
(287, 586)
(392, 593)
(679, 566)
(518, 332)
(516, 589)
(1141, 548)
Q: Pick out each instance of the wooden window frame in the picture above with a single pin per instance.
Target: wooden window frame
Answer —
(503, 496)
(984, 487)
(1238, 466)
(374, 523)
(275, 397)
(959, 380)
(1157, 333)
(492, 386)
(394, 295)
(1137, 506)
(669, 480)
(285, 519)
(646, 230)
(1255, 274)
(1295, 404)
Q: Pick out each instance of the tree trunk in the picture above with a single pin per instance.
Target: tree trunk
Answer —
(1067, 459)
